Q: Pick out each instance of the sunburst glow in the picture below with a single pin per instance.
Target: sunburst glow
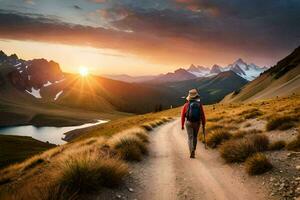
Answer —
(83, 71)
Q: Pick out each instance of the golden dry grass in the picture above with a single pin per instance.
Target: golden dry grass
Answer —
(294, 145)
(216, 137)
(78, 167)
(277, 145)
(257, 164)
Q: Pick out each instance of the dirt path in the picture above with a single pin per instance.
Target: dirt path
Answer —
(169, 173)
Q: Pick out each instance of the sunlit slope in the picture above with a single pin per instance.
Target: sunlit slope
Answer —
(106, 95)
(281, 80)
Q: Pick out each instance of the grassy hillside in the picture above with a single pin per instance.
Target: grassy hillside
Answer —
(18, 148)
(97, 159)
(83, 99)
(283, 79)
(256, 125)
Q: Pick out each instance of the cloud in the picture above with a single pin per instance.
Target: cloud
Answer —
(178, 35)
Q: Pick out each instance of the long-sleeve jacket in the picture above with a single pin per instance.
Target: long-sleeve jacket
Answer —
(183, 114)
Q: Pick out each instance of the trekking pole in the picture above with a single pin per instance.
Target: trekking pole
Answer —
(203, 129)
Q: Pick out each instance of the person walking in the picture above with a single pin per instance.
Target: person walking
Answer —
(192, 116)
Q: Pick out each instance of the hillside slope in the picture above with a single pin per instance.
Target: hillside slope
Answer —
(39, 89)
(212, 89)
(281, 80)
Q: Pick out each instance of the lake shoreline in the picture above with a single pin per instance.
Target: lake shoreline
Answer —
(50, 134)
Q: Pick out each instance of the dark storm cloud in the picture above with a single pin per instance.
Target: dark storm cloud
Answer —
(181, 29)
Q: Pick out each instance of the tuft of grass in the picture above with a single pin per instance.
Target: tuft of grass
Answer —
(260, 142)
(216, 137)
(32, 162)
(215, 119)
(213, 127)
(241, 134)
(294, 145)
(247, 125)
(86, 174)
(282, 123)
(237, 150)
(251, 113)
(147, 127)
(257, 164)
(277, 145)
(240, 149)
(129, 147)
(143, 136)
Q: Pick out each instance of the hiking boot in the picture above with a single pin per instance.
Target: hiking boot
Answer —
(192, 154)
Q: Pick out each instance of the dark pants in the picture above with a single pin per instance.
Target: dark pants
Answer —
(192, 129)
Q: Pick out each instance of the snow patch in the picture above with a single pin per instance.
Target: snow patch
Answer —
(35, 93)
(47, 84)
(18, 64)
(57, 95)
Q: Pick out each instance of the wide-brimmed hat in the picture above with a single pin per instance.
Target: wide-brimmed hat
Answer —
(193, 94)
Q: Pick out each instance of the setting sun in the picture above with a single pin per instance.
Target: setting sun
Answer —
(83, 71)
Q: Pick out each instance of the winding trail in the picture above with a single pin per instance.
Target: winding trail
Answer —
(170, 174)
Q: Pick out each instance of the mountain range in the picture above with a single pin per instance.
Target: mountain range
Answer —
(240, 67)
(35, 89)
(283, 79)
(38, 92)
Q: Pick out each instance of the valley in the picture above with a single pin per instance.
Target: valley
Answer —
(149, 100)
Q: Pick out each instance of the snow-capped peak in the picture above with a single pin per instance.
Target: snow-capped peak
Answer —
(240, 67)
(247, 71)
(198, 71)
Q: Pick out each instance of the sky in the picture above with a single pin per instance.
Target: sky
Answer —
(140, 37)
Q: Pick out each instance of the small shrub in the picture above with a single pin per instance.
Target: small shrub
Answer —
(241, 134)
(281, 123)
(143, 136)
(31, 163)
(257, 164)
(147, 127)
(214, 119)
(236, 150)
(159, 122)
(153, 124)
(277, 145)
(166, 119)
(260, 142)
(129, 147)
(214, 127)
(216, 137)
(85, 174)
(294, 145)
(253, 114)
(247, 125)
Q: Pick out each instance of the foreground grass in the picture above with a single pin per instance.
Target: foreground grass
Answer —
(240, 149)
(294, 145)
(258, 164)
(282, 122)
(148, 121)
(18, 148)
(85, 174)
(77, 168)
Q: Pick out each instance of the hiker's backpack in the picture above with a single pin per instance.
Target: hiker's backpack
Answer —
(193, 113)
